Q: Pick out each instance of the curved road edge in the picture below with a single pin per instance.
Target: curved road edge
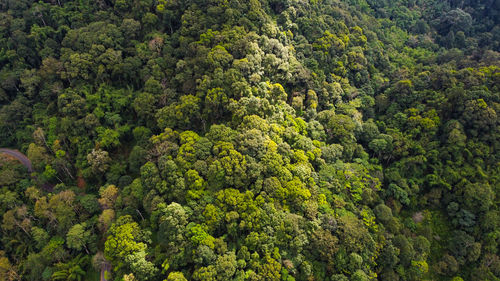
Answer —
(19, 156)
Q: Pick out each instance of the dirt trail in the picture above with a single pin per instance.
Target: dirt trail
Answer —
(105, 267)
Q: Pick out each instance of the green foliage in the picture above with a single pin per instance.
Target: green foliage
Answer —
(78, 237)
(250, 140)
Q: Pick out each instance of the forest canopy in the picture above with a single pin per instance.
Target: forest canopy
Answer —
(250, 140)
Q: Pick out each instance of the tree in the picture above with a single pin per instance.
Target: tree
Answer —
(270, 269)
(108, 196)
(463, 247)
(383, 213)
(78, 237)
(389, 256)
(172, 224)
(422, 247)
(216, 103)
(478, 117)
(124, 239)
(138, 264)
(125, 247)
(455, 20)
(447, 266)
(144, 105)
(108, 138)
(226, 266)
(59, 210)
(105, 219)
(7, 270)
(89, 203)
(229, 169)
(175, 276)
(478, 197)
(325, 244)
(182, 114)
(406, 251)
(36, 152)
(137, 158)
(99, 161)
(150, 178)
(355, 262)
(359, 275)
(40, 236)
(17, 219)
(340, 128)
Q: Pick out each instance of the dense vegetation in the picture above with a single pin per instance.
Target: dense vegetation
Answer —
(250, 140)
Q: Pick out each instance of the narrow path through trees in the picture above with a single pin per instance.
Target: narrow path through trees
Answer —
(105, 267)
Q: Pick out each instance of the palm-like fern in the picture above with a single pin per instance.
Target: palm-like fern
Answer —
(71, 271)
